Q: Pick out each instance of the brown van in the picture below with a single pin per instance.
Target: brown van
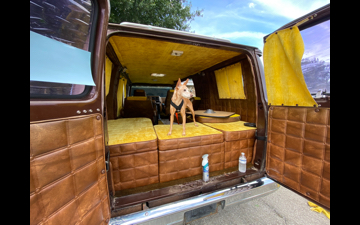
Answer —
(99, 100)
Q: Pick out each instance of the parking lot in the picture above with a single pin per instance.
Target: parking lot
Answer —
(281, 207)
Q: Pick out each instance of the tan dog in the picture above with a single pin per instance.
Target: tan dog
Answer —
(180, 100)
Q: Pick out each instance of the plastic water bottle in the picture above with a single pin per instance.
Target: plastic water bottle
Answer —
(242, 163)
(205, 166)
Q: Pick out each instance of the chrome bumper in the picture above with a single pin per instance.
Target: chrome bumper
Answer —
(173, 213)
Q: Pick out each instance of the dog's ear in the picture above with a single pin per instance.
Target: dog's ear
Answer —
(178, 84)
(187, 80)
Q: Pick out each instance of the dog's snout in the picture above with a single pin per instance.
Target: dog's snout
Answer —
(191, 95)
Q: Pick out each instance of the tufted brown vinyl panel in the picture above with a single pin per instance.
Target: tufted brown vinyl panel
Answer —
(186, 162)
(237, 142)
(135, 170)
(68, 181)
(177, 143)
(206, 88)
(298, 152)
(134, 147)
(139, 108)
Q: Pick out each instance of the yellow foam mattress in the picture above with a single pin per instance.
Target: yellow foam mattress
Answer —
(191, 131)
(234, 131)
(130, 130)
(195, 136)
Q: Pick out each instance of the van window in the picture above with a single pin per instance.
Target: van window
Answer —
(316, 59)
(151, 90)
(68, 22)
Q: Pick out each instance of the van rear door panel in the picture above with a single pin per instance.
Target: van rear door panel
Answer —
(68, 176)
(298, 128)
(67, 171)
(298, 150)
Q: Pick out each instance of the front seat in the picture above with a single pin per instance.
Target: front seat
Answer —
(139, 106)
(139, 92)
(167, 101)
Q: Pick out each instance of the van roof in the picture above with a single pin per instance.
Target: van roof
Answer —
(167, 30)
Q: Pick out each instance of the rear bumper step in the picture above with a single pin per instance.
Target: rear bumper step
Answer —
(174, 212)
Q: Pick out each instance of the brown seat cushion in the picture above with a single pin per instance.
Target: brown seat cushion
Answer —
(136, 106)
(238, 138)
(131, 135)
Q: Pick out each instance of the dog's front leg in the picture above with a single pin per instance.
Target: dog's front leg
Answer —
(172, 112)
(183, 116)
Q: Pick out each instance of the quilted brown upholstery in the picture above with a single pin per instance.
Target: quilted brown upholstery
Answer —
(139, 108)
(68, 181)
(134, 164)
(177, 143)
(233, 149)
(131, 135)
(298, 152)
(235, 143)
(135, 170)
(135, 147)
(186, 162)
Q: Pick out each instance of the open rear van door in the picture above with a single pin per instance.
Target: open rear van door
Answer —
(297, 74)
(68, 182)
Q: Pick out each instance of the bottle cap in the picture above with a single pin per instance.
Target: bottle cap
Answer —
(205, 156)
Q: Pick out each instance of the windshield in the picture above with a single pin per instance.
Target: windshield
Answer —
(151, 90)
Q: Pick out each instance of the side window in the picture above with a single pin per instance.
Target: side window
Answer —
(316, 59)
(60, 48)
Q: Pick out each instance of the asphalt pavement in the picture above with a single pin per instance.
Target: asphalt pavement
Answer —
(280, 207)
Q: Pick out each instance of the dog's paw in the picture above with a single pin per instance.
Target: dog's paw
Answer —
(196, 125)
(169, 133)
(183, 134)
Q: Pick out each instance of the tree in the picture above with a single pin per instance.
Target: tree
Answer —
(173, 14)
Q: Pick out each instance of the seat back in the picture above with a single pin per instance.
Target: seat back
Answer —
(136, 106)
(167, 101)
(139, 92)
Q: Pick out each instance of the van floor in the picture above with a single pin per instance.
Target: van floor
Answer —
(218, 179)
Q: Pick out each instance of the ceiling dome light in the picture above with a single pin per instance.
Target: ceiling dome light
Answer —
(157, 75)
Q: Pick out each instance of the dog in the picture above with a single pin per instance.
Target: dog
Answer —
(179, 101)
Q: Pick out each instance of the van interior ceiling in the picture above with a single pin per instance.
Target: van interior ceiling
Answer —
(147, 165)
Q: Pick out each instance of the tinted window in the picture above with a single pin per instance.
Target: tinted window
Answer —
(151, 90)
(316, 60)
(68, 22)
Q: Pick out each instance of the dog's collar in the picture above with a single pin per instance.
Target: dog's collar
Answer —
(177, 107)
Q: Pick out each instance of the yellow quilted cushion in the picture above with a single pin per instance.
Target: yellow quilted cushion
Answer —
(235, 115)
(233, 126)
(129, 130)
(137, 98)
(191, 131)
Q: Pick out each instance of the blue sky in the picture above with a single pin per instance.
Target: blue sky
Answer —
(248, 21)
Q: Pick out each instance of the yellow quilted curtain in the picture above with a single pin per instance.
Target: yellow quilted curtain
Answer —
(230, 82)
(121, 95)
(108, 68)
(285, 81)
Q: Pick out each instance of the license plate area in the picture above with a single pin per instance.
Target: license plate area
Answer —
(202, 212)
